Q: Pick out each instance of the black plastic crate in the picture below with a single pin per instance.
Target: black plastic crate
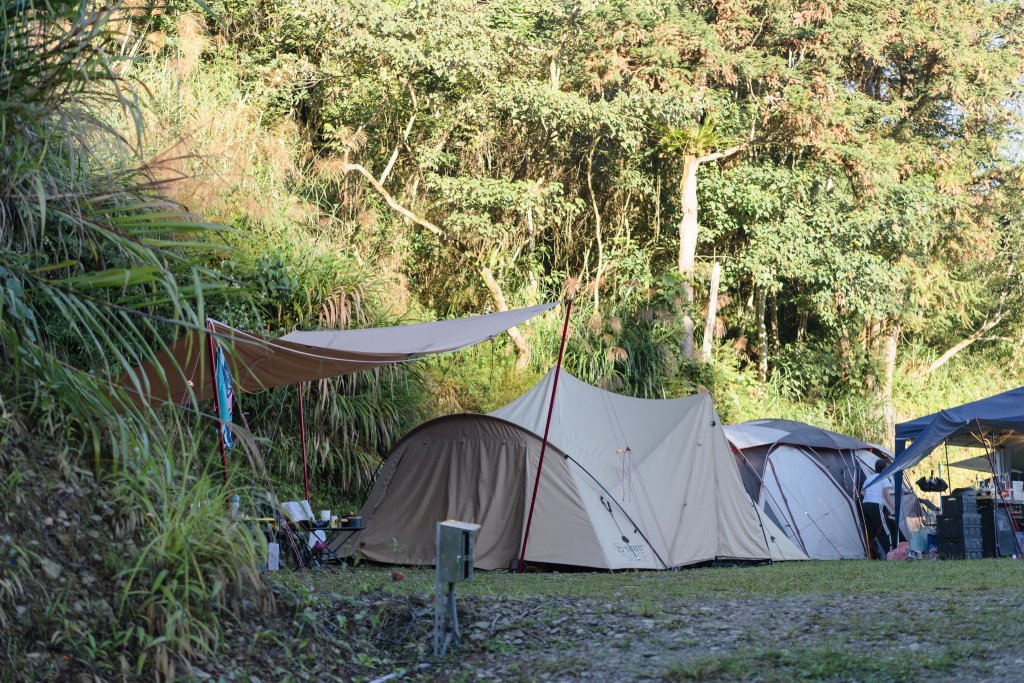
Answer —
(956, 527)
(952, 550)
(959, 503)
(997, 532)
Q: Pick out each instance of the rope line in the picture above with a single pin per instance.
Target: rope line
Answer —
(630, 470)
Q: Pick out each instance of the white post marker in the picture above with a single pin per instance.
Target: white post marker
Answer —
(453, 564)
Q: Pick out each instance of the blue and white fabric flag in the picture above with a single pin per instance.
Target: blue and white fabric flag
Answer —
(225, 394)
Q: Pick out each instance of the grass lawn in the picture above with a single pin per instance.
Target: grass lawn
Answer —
(852, 620)
(852, 578)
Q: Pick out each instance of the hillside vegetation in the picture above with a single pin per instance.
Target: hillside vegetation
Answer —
(813, 210)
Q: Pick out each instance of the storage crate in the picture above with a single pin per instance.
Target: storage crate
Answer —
(969, 549)
(959, 503)
(956, 527)
(996, 530)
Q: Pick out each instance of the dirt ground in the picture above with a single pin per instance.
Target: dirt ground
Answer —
(358, 628)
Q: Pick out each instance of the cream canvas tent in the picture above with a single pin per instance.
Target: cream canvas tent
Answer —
(626, 483)
(806, 479)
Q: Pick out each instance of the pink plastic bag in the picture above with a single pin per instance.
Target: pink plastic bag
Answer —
(899, 552)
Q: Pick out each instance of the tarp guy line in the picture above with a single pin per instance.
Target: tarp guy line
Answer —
(266, 476)
(796, 529)
(764, 488)
(806, 513)
(547, 429)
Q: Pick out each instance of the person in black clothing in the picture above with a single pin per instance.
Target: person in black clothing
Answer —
(878, 505)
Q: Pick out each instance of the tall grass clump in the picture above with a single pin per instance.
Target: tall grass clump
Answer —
(99, 272)
(192, 569)
(97, 267)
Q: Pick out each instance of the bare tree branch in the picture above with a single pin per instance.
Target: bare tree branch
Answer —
(382, 191)
(513, 332)
(978, 334)
(405, 137)
(492, 284)
(964, 343)
(729, 151)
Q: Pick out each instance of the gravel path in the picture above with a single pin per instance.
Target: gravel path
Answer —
(973, 634)
(761, 639)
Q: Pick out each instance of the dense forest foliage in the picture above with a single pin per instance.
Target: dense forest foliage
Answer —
(811, 209)
(849, 171)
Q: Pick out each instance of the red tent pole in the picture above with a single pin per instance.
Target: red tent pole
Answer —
(547, 429)
(216, 400)
(302, 427)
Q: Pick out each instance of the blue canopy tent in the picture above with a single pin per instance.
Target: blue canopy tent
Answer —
(972, 424)
(986, 423)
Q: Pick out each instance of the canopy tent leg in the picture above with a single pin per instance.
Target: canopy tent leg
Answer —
(898, 493)
(547, 430)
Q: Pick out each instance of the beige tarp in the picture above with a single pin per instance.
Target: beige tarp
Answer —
(627, 483)
(258, 363)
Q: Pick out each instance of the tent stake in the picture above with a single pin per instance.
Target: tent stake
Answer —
(216, 399)
(547, 429)
(302, 431)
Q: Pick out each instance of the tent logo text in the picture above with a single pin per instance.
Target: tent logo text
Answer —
(633, 551)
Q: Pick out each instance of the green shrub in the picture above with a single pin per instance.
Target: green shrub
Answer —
(193, 566)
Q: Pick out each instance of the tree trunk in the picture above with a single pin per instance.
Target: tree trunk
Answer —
(762, 339)
(657, 208)
(597, 229)
(709, 325)
(688, 223)
(801, 330)
(688, 244)
(845, 352)
(776, 344)
(873, 345)
(891, 343)
(499, 301)
(845, 347)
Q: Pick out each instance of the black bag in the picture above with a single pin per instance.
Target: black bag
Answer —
(932, 484)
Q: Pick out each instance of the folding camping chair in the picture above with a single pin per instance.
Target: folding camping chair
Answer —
(305, 538)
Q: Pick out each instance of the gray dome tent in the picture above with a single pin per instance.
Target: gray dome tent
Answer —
(627, 483)
(806, 480)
